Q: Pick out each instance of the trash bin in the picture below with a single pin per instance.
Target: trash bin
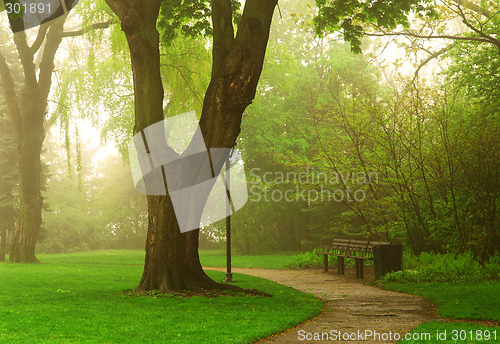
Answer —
(387, 258)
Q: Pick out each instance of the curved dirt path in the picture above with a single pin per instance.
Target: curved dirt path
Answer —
(350, 305)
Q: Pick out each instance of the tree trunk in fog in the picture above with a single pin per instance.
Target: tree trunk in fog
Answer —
(172, 262)
(25, 235)
(27, 111)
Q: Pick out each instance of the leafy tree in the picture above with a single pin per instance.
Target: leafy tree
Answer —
(99, 210)
(27, 110)
(436, 186)
(172, 261)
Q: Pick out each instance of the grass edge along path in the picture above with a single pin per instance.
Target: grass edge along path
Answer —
(82, 302)
(465, 309)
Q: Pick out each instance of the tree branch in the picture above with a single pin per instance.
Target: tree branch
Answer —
(82, 31)
(431, 57)
(115, 7)
(9, 92)
(234, 87)
(42, 31)
(223, 33)
(54, 39)
(407, 33)
(26, 57)
(476, 30)
(178, 68)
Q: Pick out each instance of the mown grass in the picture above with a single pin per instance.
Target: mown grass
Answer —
(208, 258)
(473, 300)
(217, 259)
(467, 300)
(77, 298)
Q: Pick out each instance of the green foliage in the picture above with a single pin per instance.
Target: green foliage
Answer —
(188, 19)
(79, 301)
(351, 17)
(279, 135)
(185, 66)
(100, 210)
(309, 259)
(475, 71)
(433, 149)
(453, 268)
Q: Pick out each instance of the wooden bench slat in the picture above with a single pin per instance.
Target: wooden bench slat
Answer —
(374, 243)
(360, 250)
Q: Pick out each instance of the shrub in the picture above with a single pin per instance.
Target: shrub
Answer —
(493, 267)
(308, 260)
(430, 267)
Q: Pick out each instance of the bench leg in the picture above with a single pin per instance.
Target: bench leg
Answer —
(340, 265)
(359, 268)
(325, 261)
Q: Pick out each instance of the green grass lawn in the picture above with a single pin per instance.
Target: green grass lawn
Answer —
(473, 300)
(77, 298)
(217, 259)
(208, 258)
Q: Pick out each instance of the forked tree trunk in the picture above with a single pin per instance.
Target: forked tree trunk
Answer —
(172, 261)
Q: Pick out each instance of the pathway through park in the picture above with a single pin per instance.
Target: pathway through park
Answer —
(350, 305)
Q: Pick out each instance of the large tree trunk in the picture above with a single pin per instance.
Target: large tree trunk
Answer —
(27, 111)
(25, 236)
(172, 262)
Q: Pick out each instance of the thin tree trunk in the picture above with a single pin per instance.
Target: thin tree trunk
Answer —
(3, 243)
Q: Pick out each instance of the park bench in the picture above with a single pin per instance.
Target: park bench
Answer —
(360, 250)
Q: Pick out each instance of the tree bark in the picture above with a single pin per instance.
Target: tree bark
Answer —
(3, 243)
(172, 262)
(25, 236)
(27, 110)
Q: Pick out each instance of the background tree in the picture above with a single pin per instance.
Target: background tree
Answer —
(94, 208)
(172, 261)
(8, 183)
(330, 112)
(27, 109)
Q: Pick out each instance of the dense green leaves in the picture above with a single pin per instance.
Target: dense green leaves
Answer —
(433, 150)
(188, 18)
(351, 17)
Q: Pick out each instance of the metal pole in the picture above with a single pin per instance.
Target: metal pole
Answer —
(229, 274)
